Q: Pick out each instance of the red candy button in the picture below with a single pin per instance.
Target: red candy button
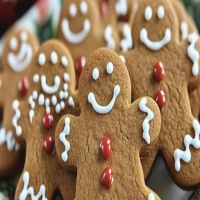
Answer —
(23, 85)
(107, 177)
(47, 120)
(103, 8)
(48, 144)
(159, 71)
(160, 99)
(80, 63)
(105, 147)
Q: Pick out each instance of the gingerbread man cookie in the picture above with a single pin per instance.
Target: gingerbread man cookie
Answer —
(19, 48)
(104, 142)
(52, 93)
(163, 67)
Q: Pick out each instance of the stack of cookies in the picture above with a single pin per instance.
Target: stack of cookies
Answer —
(86, 114)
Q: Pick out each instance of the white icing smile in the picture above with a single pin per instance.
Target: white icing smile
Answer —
(75, 38)
(50, 89)
(155, 45)
(104, 109)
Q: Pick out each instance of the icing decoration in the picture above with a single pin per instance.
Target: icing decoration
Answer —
(127, 42)
(54, 100)
(65, 87)
(50, 89)
(8, 139)
(109, 38)
(18, 129)
(148, 13)
(122, 58)
(48, 144)
(71, 101)
(103, 8)
(75, 38)
(184, 30)
(151, 196)
(23, 85)
(54, 57)
(47, 103)
(64, 61)
(188, 140)
(159, 71)
(58, 108)
(161, 12)
(121, 7)
(62, 105)
(47, 120)
(157, 45)
(193, 53)
(80, 63)
(105, 147)
(31, 115)
(13, 43)
(109, 68)
(145, 124)
(95, 73)
(61, 95)
(41, 59)
(83, 7)
(66, 77)
(35, 95)
(160, 99)
(72, 10)
(104, 109)
(62, 136)
(107, 177)
(41, 100)
(36, 78)
(30, 191)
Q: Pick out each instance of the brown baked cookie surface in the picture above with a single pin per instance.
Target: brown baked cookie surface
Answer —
(52, 94)
(104, 142)
(19, 48)
(163, 67)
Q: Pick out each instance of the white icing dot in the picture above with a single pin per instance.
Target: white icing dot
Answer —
(83, 7)
(36, 78)
(23, 36)
(41, 100)
(72, 10)
(161, 12)
(95, 73)
(61, 94)
(148, 13)
(13, 43)
(66, 77)
(109, 68)
(122, 58)
(65, 95)
(65, 87)
(64, 61)
(35, 94)
(71, 101)
(47, 102)
(54, 100)
(58, 108)
(62, 105)
(54, 57)
(41, 59)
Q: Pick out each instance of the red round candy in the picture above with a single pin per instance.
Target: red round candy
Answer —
(80, 64)
(103, 8)
(48, 144)
(23, 85)
(160, 99)
(105, 147)
(159, 71)
(107, 177)
(47, 120)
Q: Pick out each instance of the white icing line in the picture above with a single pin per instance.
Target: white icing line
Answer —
(16, 117)
(109, 38)
(50, 89)
(63, 134)
(184, 30)
(127, 42)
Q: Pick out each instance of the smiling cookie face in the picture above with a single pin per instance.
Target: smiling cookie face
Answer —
(153, 25)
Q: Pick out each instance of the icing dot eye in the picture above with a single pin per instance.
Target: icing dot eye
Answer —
(148, 13)
(72, 10)
(161, 12)
(109, 68)
(41, 59)
(95, 74)
(83, 7)
(13, 43)
(64, 61)
(54, 57)
(23, 36)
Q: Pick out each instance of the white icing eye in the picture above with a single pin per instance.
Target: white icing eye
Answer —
(54, 57)
(161, 12)
(83, 7)
(13, 43)
(72, 10)
(23, 36)
(64, 61)
(95, 74)
(148, 13)
(109, 68)
(41, 59)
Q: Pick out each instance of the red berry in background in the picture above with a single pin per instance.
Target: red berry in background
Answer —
(23, 85)
(47, 120)
(105, 147)
(80, 64)
(159, 71)
(107, 177)
(48, 144)
(103, 8)
(160, 99)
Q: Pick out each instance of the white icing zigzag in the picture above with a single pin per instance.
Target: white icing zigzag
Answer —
(30, 191)
(127, 42)
(145, 124)
(65, 132)
(16, 117)
(188, 140)
(109, 38)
